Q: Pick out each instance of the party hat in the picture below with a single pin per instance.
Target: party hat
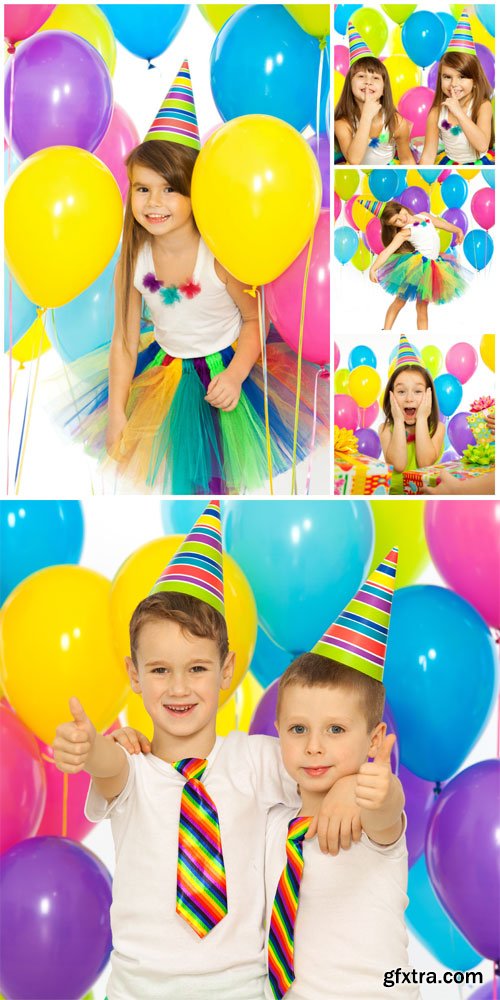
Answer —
(406, 354)
(358, 637)
(358, 49)
(375, 207)
(196, 568)
(461, 39)
(176, 119)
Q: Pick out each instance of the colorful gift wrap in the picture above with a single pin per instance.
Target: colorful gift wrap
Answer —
(480, 409)
(415, 480)
(360, 475)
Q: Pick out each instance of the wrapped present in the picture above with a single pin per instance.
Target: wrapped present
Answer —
(355, 474)
(480, 409)
(414, 481)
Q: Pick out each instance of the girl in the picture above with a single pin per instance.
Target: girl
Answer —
(461, 116)
(412, 266)
(185, 410)
(368, 129)
(412, 435)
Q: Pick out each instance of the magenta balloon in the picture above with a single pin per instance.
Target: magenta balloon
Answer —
(415, 106)
(487, 60)
(463, 854)
(22, 781)
(336, 357)
(63, 94)
(341, 59)
(483, 207)
(443, 175)
(22, 19)
(348, 207)
(459, 432)
(419, 800)
(284, 298)
(374, 236)
(346, 412)
(464, 543)
(337, 205)
(369, 414)
(461, 361)
(368, 442)
(262, 723)
(432, 76)
(320, 146)
(416, 199)
(121, 137)
(457, 217)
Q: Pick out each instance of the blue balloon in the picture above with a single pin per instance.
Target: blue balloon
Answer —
(424, 37)
(345, 243)
(401, 175)
(450, 24)
(361, 355)
(449, 393)
(262, 62)
(178, 516)
(303, 559)
(478, 248)
(383, 184)
(454, 190)
(23, 312)
(440, 678)
(35, 534)
(327, 117)
(432, 925)
(430, 175)
(146, 30)
(343, 14)
(486, 14)
(85, 323)
(269, 660)
(489, 176)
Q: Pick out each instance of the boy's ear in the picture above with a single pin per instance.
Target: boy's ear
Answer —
(133, 674)
(276, 726)
(228, 670)
(377, 738)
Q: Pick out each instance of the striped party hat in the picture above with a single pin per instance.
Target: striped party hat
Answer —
(358, 49)
(461, 39)
(375, 207)
(358, 637)
(196, 568)
(406, 354)
(176, 120)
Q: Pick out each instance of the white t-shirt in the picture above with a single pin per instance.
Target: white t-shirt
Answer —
(350, 921)
(157, 956)
(424, 237)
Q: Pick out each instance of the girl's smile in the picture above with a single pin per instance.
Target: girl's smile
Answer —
(367, 85)
(155, 205)
(455, 85)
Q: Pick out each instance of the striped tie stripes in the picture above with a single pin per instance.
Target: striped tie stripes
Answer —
(280, 946)
(201, 879)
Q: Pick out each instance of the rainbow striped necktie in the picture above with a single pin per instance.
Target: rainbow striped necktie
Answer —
(201, 879)
(281, 932)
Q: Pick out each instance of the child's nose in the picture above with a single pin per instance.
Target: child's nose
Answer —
(314, 745)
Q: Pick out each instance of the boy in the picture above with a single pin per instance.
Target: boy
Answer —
(336, 925)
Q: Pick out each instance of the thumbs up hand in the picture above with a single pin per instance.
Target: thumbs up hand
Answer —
(374, 783)
(74, 740)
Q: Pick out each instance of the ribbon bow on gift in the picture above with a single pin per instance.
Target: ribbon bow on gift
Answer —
(345, 441)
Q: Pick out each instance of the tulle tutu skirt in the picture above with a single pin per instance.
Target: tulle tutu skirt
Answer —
(174, 441)
(411, 276)
(488, 160)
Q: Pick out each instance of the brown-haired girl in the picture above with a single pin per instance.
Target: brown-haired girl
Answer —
(368, 129)
(461, 116)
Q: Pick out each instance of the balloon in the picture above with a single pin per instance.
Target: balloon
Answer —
(72, 108)
(487, 60)
(146, 30)
(483, 208)
(32, 344)
(401, 524)
(338, 85)
(313, 18)
(320, 146)
(264, 717)
(35, 534)
(348, 209)
(449, 23)
(53, 890)
(383, 184)
(361, 355)
(478, 248)
(416, 199)
(119, 140)
(461, 361)
(284, 298)
(467, 554)
(404, 75)
(336, 357)
(346, 183)
(218, 13)
(341, 380)
(415, 106)
(440, 704)
(457, 217)
(368, 442)
(22, 781)
(244, 195)
(372, 28)
(345, 243)
(463, 853)
(437, 204)
(87, 21)
(489, 177)
(432, 926)
(364, 385)
(444, 240)
(341, 59)
(23, 312)
(396, 42)
(460, 433)
(337, 205)
(136, 577)
(454, 191)
(399, 12)
(358, 215)
(429, 175)
(342, 14)
(178, 516)
(479, 32)
(424, 37)
(488, 991)
(369, 414)
(85, 323)
(432, 360)
(22, 19)
(449, 393)
(486, 14)
(237, 712)
(71, 206)
(487, 350)
(68, 649)
(327, 545)
(419, 800)
(432, 76)
(346, 411)
(269, 660)
(362, 258)
(374, 237)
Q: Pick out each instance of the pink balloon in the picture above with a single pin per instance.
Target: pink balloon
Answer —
(336, 357)
(346, 412)
(461, 361)
(341, 59)
(23, 19)
(22, 780)
(415, 106)
(373, 236)
(337, 205)
(348, 207)
(443, 175)
(464, 542)
(284, 298)
(369, 414)
(483, 207)
(206, 135)
(119, 140)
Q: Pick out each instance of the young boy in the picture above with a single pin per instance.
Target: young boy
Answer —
(336, 925)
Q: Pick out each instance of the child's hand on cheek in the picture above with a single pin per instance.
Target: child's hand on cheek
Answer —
(425, 408)
(397, 413)
(373, 781)
(338, 822)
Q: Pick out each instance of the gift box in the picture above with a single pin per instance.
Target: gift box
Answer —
(480, 409)
(414, 482)
(356, 474)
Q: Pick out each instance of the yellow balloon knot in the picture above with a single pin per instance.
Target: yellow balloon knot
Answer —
(345, 441)
(322, 42)
(251, 291)
(40, 311)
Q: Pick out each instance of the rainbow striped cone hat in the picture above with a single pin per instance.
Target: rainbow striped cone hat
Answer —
(358, 637)
(375, 207)
(358, 48)
(406, 354)
(176, 120)
(461, 39)
(196, 568)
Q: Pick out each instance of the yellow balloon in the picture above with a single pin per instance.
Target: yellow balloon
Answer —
(402, 524)
(432, 359)
(362, 257)
(136, 715)
(436, 200)
(218, 13)
(396, 47)
(364, 385)
(244, 196)
(70, 205)
(366, 190)
(338, 86)
(404, 75)
(414, 179)
(32, 344)
(468, 173)
(361, 215)
(341, 380)
(313, 18)
(89, 22)
(487, 350)
(56, 641)
(445, 239)
(237, 712)
(346, 182)
(480, 35)
(136, 577)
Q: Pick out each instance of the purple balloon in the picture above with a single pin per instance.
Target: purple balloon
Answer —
(456, 217)
(416, 199)
(62, 94)
(55, 897)
(459, 432)
(368, 442)
(487, 60)
(419, 796)
(449, 455)
(320, 146)
(485, 992)
(432, 76)
(463, 854)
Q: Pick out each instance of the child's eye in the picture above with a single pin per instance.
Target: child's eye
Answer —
(159, 670)
(169, 190)
(198, 669)
(298, 730)
(336, 729)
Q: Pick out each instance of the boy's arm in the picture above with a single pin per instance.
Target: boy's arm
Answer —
(78, 747)
(338, 822)
(379, 794)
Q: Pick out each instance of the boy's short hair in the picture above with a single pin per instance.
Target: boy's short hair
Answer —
(192, 615)
(313, 670)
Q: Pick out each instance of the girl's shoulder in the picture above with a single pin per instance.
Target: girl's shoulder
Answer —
(343, 123)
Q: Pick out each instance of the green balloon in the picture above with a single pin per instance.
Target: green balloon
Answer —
(399, 12)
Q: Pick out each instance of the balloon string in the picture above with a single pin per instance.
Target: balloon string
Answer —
(12, 51)
(64, 818)
(321, 373)
(497, 640)
(22, 453)
(299, 366)
(11, 383)
(263, 348)
(318, 97)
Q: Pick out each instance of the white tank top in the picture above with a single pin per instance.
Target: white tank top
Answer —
(456, 144)
(192, 320)
(424, 237)
(380, 151)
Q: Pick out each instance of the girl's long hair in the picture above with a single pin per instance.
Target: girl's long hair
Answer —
(433, 418)
(347, 107)
(173, 162)
(470, 67)
(388, 232)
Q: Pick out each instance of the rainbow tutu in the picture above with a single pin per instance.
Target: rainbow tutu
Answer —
(411, 276)
(174, 441)
(488, 160)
